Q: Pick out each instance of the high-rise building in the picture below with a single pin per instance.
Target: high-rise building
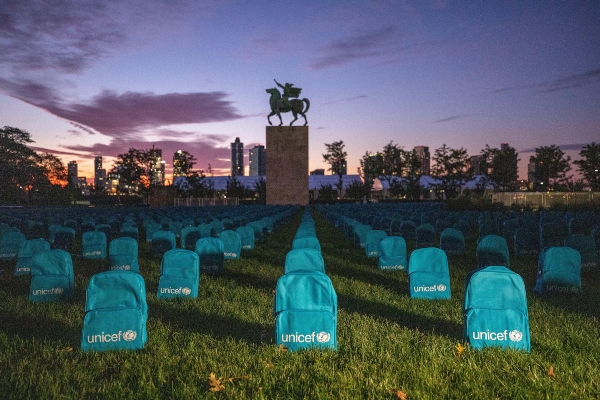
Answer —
(179, 164)
(318, 171)
(72, 173)
(258, 160)
(157, 167)
(425, 157)
(477, 164)
(237, 158)
(112, 182)
(99, 174)
(339, 168)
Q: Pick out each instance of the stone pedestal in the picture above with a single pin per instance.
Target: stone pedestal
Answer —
(287, 165)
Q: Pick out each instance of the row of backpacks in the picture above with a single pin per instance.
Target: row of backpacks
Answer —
(115, 309)
(122, 251)
(495, 304)
(63, 233)
(305, 304)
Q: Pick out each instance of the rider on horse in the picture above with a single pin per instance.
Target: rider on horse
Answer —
(288, 91)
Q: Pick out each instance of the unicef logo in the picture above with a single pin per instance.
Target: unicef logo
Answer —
(515, 336)
(441, 288)
(186, 291)
(129, 335)
(58, 290)
(323, 337)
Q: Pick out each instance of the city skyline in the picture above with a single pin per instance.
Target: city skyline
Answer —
(95, 78)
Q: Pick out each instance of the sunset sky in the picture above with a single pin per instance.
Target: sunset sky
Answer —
(97, 77)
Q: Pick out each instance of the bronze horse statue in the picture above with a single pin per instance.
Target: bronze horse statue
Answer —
(278, 106)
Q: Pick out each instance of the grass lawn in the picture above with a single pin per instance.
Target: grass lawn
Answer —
(388, 344)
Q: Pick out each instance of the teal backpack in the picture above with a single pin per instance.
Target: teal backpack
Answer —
(428, 274)
(179, 274)
(586, 246)
(306, 242)
(52, 276)
(426, 235)
(452, 241)
(306, 311)
(559, 271)
(247, 235)
(211, 251)
(372, 239)
(360, 234)
(123, 254)
(115, 312)
(304, 259)
(189, 236)
(11, 241)
(93, 245)
(232, 244)
(492, 250)
(163, 241)
(392, 253)
(29, 249)
(495, 309)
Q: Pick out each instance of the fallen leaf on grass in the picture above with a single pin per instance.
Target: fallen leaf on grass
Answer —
(282, 347)
(68, 349)
(551, 372)
(218, 384)
(400, 394)
(460, 348)
(214, 383)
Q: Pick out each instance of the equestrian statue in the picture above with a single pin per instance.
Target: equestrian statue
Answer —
(283, 103)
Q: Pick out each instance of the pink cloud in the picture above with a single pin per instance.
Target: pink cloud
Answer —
(119, 115)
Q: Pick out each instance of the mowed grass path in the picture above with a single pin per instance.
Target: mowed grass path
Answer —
(388, 344)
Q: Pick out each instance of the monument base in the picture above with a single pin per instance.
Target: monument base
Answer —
(287, 165)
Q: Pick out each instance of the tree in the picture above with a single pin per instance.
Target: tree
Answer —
(194, 184)
(357, 191)
(260, 187)
(336, 158)
(393, 160)
(589, 165)
(412, 178)
(452, 168)
(551, 168)
(133, 168)
(25, 173)
(500, 165)
(371, 167)
(185, 163)
(327, 194)
(235, 188)
(55, 170)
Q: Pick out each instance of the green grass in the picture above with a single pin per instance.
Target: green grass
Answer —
(386, 341)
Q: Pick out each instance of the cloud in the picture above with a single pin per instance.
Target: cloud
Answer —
(125, 114)
(569, 82)
(451, 118)
(563, 147)
(128, 118)
(368, 45)
(66, 36)
(349, 99)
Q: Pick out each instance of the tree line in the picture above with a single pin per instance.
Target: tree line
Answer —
(28, 177)
(453, 167)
